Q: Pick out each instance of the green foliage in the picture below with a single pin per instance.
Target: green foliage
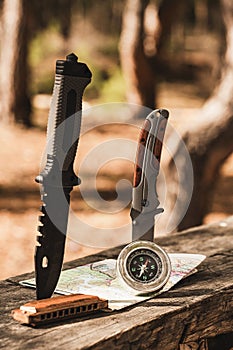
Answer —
(93, 90)
(113, 89)
(106, 86)
(45, 43)
(110, 49)
(102, 57)
(44, 49)
(99, 50)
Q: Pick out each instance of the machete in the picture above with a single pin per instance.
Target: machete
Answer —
(145, 202)
(58, 178)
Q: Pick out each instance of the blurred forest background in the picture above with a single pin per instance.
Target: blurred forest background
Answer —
(175, 54)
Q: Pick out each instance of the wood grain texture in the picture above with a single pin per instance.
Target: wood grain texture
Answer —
(199, 307)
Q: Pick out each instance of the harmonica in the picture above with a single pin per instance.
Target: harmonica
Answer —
(59, 308)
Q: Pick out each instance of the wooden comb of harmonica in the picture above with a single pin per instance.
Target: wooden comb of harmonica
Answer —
(38, 312)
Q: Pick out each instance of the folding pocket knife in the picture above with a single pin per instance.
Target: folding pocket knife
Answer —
(145, 202)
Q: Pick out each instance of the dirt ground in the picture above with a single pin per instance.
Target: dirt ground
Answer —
(20, 157)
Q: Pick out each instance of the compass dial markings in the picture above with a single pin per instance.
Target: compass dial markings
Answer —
(144, 265)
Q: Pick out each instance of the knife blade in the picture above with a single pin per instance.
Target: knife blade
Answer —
(145, 202)
(58, 178)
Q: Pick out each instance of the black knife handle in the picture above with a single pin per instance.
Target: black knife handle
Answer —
(64, 120)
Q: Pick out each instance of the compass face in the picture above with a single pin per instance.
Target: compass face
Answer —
(144, 265)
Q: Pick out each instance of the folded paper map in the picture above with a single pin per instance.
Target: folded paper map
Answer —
(99, 279)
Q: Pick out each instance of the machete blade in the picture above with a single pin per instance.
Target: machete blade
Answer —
(51, 241)
(58, 178)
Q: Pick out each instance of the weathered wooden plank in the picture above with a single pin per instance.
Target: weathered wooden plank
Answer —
(197, 308)
(179, 309)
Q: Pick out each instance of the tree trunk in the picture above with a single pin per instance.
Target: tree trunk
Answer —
(139, 76)
(15, 102)
(209, 142)
(169, 13)
(139, 66)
